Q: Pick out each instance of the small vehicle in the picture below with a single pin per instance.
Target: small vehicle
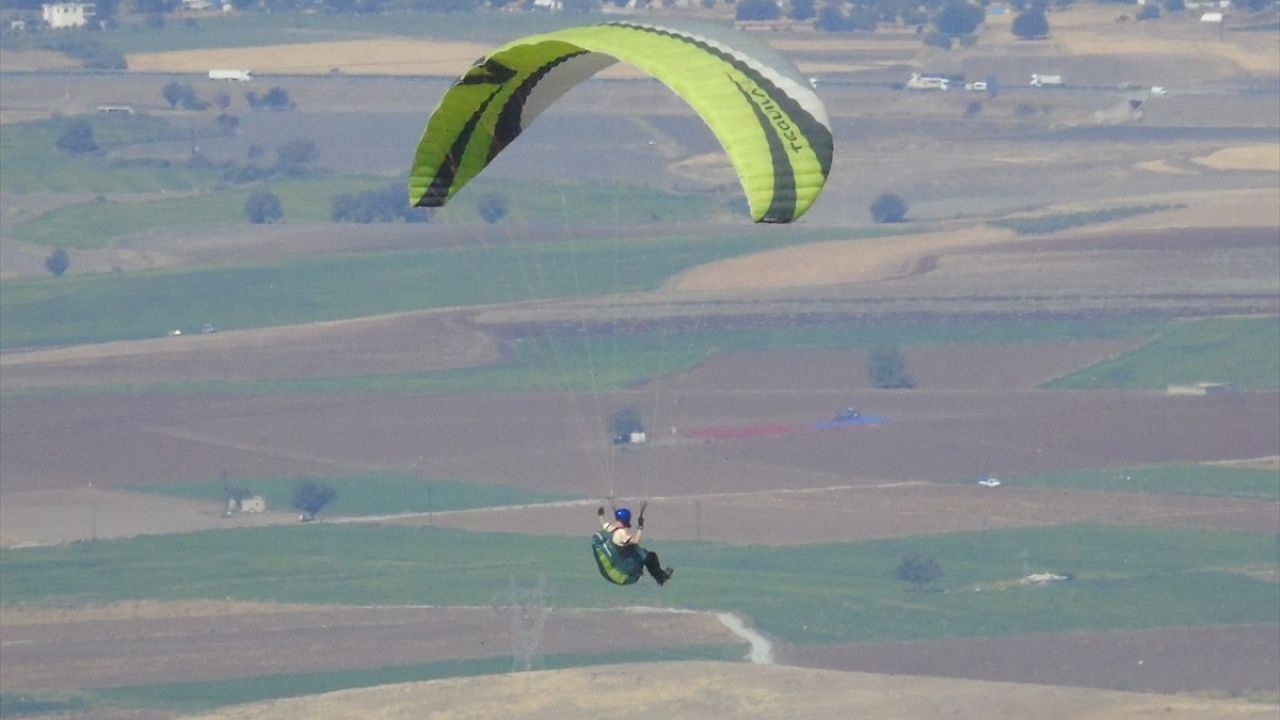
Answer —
(846, 415)
(1159, 90)
(990, 482)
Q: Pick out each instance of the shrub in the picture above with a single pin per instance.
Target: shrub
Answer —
(58, 262)
(77, 137)
(493, 207)
(227, 123)
(1031, 24)
(263, 207)
(888, 369)
(888, 208)
(758, 10)
(277, 98)
(919, 570)
(310, 497)
(958, 18)
(386, 205)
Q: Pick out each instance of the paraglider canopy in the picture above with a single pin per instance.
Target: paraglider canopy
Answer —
(764, 113)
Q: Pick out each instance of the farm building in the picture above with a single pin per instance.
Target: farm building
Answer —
(251, 504)
(66, 15)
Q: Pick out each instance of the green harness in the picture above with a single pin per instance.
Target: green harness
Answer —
(618, 565)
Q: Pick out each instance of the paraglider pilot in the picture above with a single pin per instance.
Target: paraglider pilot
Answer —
(627, 540)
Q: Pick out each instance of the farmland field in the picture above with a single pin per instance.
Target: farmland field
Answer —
(459, 384)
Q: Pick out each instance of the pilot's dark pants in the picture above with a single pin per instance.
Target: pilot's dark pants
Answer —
(651, 563)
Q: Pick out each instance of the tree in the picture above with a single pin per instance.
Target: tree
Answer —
(238, 493)
(309, 497)
(77, 137)
(89, 52)
(263, 207)
(938, 39)
(154, 7)
(624, 422)
(277, 98)
(293, 156)
(888, 208)
(888, 369)
(864, 19)
(105, 10)
(831, 18)
(757, 10)
(958, 18)
(176, 93)
(802, 9)
(58, 262)
(1031, 24)
(386, 205)
(493, 207)
(919, 570)
(227, 123)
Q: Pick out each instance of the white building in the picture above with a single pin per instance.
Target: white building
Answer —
(66, 15)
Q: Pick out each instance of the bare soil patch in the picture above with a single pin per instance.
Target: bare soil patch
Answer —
(1240, 660)
(30, 60)
(407, 342)
(384, 56)
(186, 643)
(1264, 158)
(981, 260)
(53, 516)
(698, 690)
(885, 510)
(960, 423)
(833, 263)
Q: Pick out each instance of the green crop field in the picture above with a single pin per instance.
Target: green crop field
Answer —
(1173, 479)
(1054, 223)
(104, 224)
(1122, 577)
(309, 200)
(1244, 351)
(30, 160)
(620, 360)
(367, 495)
(98, 308)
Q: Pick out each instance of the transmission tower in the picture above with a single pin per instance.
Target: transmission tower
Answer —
(526, 609)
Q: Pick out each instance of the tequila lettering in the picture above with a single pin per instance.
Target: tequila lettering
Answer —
(774, 113)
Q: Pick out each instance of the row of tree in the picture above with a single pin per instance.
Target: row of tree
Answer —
(180, 94)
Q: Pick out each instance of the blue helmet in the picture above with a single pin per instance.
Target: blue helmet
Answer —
(622, 515)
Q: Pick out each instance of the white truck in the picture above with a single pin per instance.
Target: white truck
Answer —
(231, 75)
(1045, 80)
(924, 82)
